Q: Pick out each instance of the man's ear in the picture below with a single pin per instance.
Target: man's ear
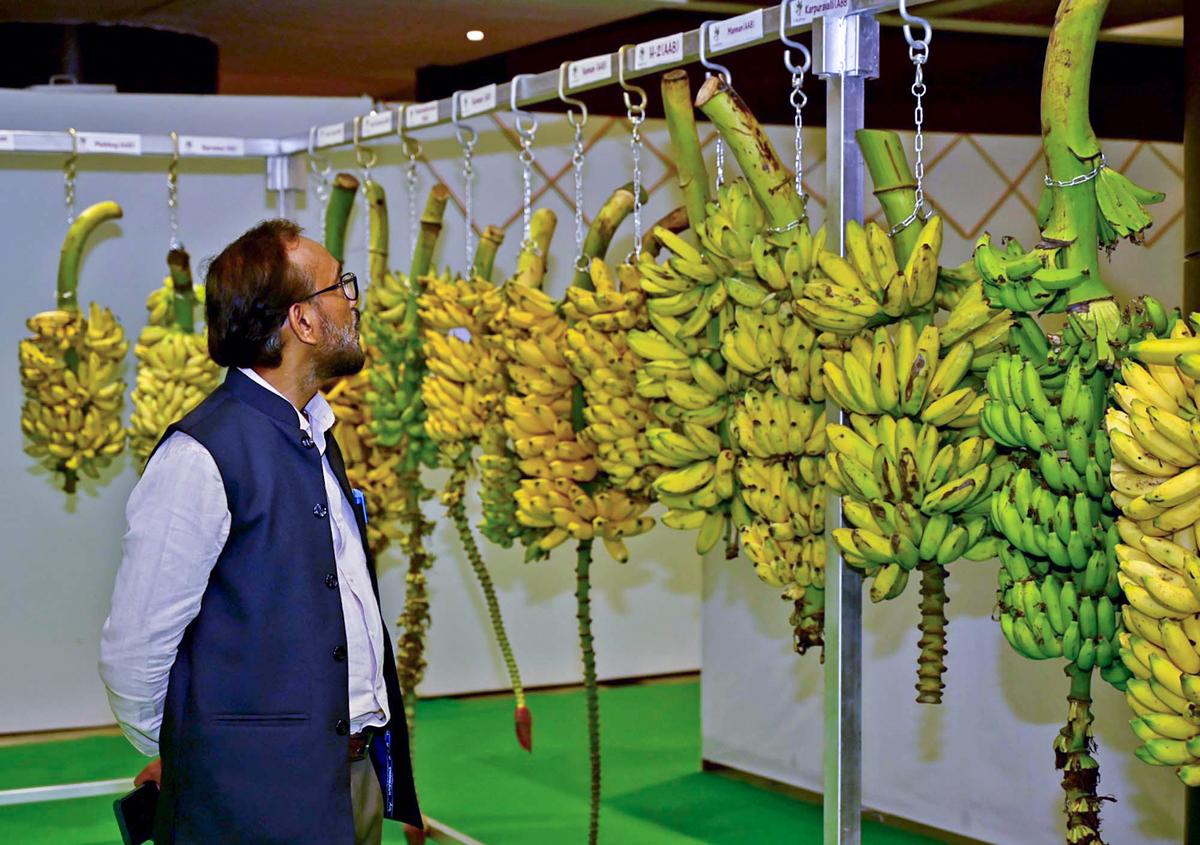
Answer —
(300, 321)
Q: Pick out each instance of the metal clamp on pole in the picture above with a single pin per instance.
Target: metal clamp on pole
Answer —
(846, 54)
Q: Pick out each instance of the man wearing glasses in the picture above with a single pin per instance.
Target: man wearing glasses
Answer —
(245, 643)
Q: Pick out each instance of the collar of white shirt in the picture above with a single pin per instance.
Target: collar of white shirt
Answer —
(316, 418)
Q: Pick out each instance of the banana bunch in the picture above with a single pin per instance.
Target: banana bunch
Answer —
(70, 374)
(599, 356)
(912, 495)
(174, 370)
(867, 287)
(397, 410)
(538, 419)
(465, 380)
(1120, 207)
(907, 376)
(174, 374)
(782, 531)
(1161, 580)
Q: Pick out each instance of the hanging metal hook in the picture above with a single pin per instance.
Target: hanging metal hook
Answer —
(467, 136)
(412, 147)
(628, 88)
(365, 156)
(707, 62)
(787, 54)
(915, 44)
(570, 101)
(519, 114)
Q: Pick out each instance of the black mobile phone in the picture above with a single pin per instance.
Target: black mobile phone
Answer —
(135, 813)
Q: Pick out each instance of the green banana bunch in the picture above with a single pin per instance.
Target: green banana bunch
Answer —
(1120, 208)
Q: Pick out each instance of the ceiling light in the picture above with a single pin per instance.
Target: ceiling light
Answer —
(474, 34)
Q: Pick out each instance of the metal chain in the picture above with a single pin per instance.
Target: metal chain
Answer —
(636, 115)
(918, 52)
(577, 163)
(526, 134)
(468, 173)
(70, 175)
(720, 162)
(413, 150)
(799, 100)
(1078, 180)
(321, 170)
(173, 193)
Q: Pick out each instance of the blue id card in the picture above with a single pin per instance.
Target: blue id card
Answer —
(360, 500)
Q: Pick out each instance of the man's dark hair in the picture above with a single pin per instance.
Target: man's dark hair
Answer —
(247, 292)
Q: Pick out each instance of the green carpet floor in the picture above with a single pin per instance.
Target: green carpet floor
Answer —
(473, 776)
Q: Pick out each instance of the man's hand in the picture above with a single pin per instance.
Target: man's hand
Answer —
(152, 772)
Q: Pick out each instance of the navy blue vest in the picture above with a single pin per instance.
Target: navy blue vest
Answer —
(253, 738)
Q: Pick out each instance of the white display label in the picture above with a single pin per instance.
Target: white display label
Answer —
(199, 145)
(422, 114)
(477, 101)
(806, 11)
(460, 332)
(8, 141)
(377, 123)
(660, 51)
(334, 133)
(110, 142)
(595, 69)
(727, 34)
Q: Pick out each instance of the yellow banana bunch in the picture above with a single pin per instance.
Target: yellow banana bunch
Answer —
(465, 379)
(598, 354)
(868, 286)
(1155, 474)
(907, 375)
(174, 374)
(70, 374)
(537, 418)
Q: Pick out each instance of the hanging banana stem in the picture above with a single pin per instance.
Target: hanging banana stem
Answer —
(410, 648)
(685, 141)
(377, 246)
(431, 228)
(183, 293)
(1073, 756)
(1070, 145)
(931, 665)
(337, 214)
(895, 185)
(454, 498)
(531, 263)
(485, 252)
(600, 233)
(583, 603)
(771, 182)
(72, 250)
(808, 621)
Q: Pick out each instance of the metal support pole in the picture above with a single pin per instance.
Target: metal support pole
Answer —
(286, 174)
(845, 54)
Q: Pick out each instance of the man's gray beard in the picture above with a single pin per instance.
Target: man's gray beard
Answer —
(342, 355)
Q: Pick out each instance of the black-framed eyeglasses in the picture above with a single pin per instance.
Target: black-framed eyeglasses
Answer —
(348, 283)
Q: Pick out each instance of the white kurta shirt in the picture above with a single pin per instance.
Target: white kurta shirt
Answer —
(178, 521)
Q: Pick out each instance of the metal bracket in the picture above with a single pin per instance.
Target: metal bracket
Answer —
(846, 46)
(286, 174)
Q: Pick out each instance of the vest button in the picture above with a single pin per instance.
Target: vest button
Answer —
(320, 511)
(342, 727)
(339, 653)
(307, 442)
(331, 581)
